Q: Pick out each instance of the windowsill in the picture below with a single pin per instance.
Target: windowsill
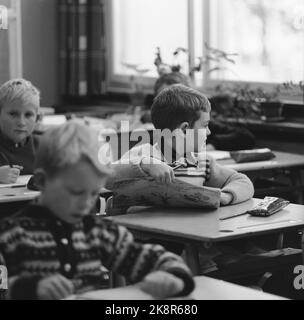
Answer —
(290, 129)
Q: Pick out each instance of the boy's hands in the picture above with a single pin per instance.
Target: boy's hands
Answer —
(158, 170)
(54, 287)
(162, 284)
(8, 174)
(226, 198)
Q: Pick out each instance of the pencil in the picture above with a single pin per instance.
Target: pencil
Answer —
(234, 215)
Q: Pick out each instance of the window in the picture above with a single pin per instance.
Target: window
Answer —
(10, 42)
(264, 34)
(264, 37)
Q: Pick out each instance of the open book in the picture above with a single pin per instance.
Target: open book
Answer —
(21, 182)
(146, 191)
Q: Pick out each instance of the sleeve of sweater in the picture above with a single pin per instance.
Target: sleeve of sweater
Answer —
(125, 170)
(230, 181)
(128, 166)
(134, 260)
(20, 286)
(3, 280)
(226, 137)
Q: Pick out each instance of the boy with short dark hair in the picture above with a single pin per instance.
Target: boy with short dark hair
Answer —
(186, 113)
(223, 136)
(184, 110)
(55, 247)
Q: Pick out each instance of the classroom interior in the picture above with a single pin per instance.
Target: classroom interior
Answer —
(98, 61)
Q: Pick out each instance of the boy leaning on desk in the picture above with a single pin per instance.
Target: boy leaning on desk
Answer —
(19, 112)
(54, 247)
(182, 109)
(186, 112)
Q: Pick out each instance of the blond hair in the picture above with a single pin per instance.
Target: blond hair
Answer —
(17, 89)
(65, 145)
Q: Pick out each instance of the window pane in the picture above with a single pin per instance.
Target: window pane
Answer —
(140, 26)
(268, 36)
(198, 37)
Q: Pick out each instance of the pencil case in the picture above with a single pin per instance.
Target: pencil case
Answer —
(252, 155)
(268, 207)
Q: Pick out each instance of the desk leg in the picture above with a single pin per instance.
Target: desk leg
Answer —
(280, 241)
(295, 177)
(192, 258)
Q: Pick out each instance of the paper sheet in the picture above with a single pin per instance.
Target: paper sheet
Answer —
(219, 155)
(21, 181)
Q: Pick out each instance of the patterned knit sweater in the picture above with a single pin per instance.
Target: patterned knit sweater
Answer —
(36, 244)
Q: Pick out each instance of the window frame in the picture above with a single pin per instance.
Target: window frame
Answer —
(121, 83)
(15, 39)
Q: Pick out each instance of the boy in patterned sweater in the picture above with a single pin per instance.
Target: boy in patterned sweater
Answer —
(54, 247)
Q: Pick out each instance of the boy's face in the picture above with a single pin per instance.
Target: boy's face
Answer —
(18, 118)
(71, 194)
(201, 131)
(192, 139)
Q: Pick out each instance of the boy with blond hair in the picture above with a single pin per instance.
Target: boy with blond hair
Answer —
(19, 109)
(55, 247)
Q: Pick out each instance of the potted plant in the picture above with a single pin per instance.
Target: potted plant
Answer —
(235, 101)
(270, 104)
(181, 61)
(216, 57)
(293, 89)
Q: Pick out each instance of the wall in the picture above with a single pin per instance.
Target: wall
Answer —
(39, 42)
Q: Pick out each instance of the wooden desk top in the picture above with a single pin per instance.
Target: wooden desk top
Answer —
(206, 289)
(282, 160)
(17, 194)
(199, 225)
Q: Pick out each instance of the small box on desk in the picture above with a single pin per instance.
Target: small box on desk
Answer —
(252, 155)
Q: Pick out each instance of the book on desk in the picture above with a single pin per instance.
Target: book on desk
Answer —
(146, 191)
(21, 182)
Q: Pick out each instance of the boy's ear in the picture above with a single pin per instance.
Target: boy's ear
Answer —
(40, 178)
(39, 117)
(184, 126)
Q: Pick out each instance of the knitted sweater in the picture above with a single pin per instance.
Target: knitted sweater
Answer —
(215, 175)
(36, 244)
(2, 289)
(17, 154)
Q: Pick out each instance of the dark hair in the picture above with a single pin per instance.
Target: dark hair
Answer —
(169, 79)
(176, 104)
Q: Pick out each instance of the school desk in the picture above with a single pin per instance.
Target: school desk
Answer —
(14, 199)
(206, 289)
(291, 163)
(16, 194)
(197, 227)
